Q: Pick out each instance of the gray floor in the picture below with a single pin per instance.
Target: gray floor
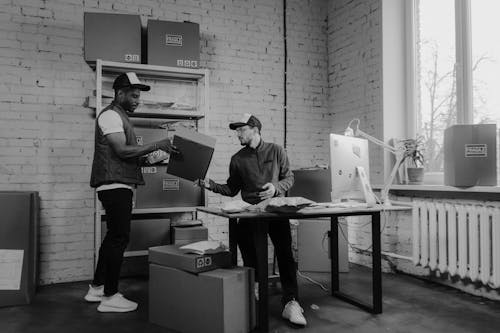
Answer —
(410, 305)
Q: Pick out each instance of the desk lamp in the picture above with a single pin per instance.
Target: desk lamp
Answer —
(400, 154)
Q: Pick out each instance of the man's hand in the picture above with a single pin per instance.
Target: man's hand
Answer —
(268, 191)
(167, 146)
(205, 183)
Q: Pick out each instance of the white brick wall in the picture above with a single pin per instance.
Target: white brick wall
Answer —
(46, 135)
(354, 70)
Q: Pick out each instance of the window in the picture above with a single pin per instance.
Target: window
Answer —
(457, 66)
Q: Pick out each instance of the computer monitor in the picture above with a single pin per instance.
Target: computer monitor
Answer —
(347, 153)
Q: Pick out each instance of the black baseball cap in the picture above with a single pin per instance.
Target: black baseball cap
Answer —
(129, 79)
(247, 119)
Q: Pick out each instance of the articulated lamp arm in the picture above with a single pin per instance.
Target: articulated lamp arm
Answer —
(400, 157)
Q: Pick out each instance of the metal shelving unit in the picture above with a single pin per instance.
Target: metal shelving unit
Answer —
(160, 73)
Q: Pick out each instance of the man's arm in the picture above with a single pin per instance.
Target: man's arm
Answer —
(286, 177)
(233, 183)
(118, 143)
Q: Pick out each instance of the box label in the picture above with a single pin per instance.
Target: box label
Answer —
(200, 263)
(170, 184)
(187, 63)
(132, 58)
(173, 40)
(149, 170)
(476, 150)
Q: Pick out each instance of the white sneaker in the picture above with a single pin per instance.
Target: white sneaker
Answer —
(94, 294)
(116, 303)
(294, 313)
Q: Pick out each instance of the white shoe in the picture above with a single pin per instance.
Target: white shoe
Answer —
(294, 313)
(94, 294)
(116, 303)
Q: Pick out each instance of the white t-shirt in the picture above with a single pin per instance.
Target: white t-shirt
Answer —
(111, 122)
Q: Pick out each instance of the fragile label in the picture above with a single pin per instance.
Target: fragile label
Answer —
(132, 58)
(150, 170)
(187, 63)
(476, 150)
(173, 40)
(11, 266)
(170, 184)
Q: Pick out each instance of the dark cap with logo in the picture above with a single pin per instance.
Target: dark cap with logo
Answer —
(129, 79)
(247, 119)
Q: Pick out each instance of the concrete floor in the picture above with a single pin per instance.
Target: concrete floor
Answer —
(410, 305)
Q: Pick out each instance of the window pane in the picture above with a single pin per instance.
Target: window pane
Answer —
(486, 64)
(435, 76)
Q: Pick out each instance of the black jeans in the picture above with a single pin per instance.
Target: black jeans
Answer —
(279, 231)
(118, 206)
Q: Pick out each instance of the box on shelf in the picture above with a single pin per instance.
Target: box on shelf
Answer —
(182, 235)
(163, 190)
(175, 44)
(470, 155)
(219, 301)
(104, 37)
(145, 233)
(171, 256)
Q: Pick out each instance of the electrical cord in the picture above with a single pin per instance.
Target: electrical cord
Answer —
(302, 275)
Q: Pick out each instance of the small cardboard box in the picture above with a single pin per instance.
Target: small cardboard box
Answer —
(219, 301)
(470, 155)
(186, 235)
(175, 44)
(171, 256)
(113, 37)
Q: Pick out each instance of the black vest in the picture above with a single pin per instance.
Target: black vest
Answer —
(107, 166)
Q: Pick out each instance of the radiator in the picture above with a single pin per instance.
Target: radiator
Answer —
(457, 238)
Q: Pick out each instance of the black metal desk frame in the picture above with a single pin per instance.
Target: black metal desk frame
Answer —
(262, 253)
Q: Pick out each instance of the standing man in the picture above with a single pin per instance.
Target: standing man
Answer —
(261, 170)
(116, 170)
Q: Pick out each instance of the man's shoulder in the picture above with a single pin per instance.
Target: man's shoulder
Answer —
(273, 146)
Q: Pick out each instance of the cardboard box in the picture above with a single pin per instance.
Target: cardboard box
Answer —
(171, 256)
(219, 301)
(113, 37)
(187, 234)
(470, 155)
(196, 153)
(165, 190)
(175, 44)
(145, 233)
(314, 248)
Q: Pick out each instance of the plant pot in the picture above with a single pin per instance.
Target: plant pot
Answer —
(415, 175)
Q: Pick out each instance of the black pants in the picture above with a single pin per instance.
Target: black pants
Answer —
(118, 206)
(279, 231)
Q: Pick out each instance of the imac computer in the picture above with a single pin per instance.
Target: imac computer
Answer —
(349, 167)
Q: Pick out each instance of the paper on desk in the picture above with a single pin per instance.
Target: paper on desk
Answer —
(11, 266)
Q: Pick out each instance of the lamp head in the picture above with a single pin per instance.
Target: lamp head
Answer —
(349, 131)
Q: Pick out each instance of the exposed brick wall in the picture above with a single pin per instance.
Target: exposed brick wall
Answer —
(354, 70)
(46, 134)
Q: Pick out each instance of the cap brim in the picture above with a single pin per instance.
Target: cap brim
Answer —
(234, 126)
(141, 87)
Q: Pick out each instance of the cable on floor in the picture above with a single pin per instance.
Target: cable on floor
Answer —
(310, 279)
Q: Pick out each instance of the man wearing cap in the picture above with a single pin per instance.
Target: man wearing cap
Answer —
(261, 170)
(116, 170)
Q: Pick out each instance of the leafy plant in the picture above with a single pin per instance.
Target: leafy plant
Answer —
(414, 151)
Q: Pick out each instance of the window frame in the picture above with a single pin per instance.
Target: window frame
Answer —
(463, 64)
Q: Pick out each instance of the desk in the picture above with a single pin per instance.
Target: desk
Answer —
(334, 214)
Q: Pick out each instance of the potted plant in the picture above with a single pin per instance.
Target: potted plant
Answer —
(414, 154)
